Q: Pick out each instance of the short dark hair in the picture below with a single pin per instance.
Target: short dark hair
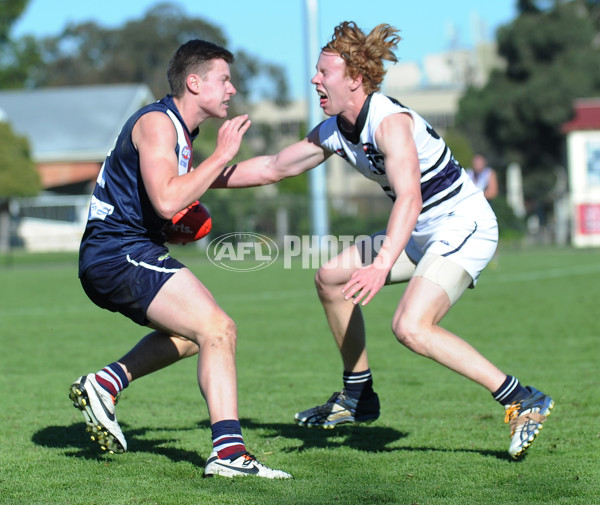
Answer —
(192, 57)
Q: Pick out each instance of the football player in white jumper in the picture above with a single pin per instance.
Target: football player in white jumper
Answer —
(440, 235)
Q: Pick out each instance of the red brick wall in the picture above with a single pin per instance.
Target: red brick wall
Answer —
(63, 173)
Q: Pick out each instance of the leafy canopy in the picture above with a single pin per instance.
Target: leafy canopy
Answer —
(18, 174)
(551, 50)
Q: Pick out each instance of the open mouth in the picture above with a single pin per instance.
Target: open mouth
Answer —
(322, 98)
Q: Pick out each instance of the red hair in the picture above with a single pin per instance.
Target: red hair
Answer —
(364, 54)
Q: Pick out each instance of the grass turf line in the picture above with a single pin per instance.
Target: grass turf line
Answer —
(440, 438)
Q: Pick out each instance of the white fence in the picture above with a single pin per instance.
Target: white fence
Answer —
(49, 222)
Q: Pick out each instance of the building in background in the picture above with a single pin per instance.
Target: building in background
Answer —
(583, 164)
(70, 131)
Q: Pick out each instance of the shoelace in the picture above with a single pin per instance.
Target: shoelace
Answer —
(326, 407)
(248, 459)
(336, 399)
(512, 416)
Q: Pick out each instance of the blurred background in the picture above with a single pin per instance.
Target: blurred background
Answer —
(518, 81)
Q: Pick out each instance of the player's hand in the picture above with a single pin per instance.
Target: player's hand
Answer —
(230, 135)
(364, 284)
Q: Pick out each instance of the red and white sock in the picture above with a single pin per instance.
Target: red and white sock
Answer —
(113, 379)
(227, 439)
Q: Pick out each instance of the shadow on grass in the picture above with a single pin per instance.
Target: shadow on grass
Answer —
(361, 438)
(76, 442)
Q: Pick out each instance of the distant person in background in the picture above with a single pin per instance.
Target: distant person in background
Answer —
(484, 176)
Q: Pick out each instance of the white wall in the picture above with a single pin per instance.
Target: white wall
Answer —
(583, 153)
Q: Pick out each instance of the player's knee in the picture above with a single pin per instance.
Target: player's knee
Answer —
(229, 331)
(324, 282)
(222, 332)
(410, 333)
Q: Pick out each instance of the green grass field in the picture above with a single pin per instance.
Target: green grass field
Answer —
(440, 439)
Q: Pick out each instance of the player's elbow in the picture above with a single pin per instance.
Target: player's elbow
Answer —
(271, 173)
(418, 204)
(166, 210)
(413, 201)
(272, 178)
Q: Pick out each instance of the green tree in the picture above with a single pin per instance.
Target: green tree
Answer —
(10, 10)
(552, 53)
(460, 146)
(140, 51)
(18, 176)
(18, 173)
(19, 59)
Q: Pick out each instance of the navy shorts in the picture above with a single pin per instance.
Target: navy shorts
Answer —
(129, 283)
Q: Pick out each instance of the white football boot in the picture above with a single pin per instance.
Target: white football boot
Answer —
(242, 466)
(98, 410)
(526, 418)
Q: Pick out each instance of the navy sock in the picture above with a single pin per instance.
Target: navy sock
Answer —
(511, 391)
(227, 439)
(358, 384)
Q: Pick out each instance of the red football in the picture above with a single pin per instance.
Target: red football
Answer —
(189, 225)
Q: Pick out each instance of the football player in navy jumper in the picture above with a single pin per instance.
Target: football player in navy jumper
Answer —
(125, 265)
(440, 235)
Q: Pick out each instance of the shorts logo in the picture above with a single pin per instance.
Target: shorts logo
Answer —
(242, 252)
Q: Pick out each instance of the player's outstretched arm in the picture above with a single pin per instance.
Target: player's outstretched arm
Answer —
(261, 170)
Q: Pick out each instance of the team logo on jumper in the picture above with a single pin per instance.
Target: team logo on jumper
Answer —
(375, 158)
(242, 252)
(342, 153)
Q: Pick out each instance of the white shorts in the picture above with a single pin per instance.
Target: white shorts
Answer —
(466, 237)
